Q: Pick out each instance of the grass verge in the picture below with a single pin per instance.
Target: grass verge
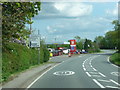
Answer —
(115, 59)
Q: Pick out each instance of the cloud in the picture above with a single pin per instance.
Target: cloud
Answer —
(79, 25)
(113, 12)
(50, 29)
(73, 9)
(63, 10)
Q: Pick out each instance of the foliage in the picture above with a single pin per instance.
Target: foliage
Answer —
(15, 59)
(77, 38)
(79, 45)
(87, 44)
(115, 59)
(14, 17)
(44, 53)
(111, 40)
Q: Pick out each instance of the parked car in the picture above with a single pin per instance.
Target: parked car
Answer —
(55, 53)
(65, 51)
(83, 51)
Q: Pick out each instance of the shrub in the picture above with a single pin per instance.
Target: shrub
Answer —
(16, 57)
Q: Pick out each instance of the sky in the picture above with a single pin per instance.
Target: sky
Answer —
(65, 20)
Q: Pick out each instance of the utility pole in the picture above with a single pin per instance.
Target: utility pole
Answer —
(29, 42)
(39, 36)
(55, 44)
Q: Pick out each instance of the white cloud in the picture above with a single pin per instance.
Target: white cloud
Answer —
(50, 29)
(113, 11)
(73, 9)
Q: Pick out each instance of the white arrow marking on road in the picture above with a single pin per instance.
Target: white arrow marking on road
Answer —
(115, 73)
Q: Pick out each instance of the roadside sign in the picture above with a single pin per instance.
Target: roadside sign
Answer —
(34, 41)
(73, 45)
(34, 44)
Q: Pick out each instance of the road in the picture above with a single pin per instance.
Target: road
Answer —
(80, 71)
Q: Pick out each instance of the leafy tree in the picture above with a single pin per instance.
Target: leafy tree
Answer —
(77, 38)
(79, 45)
(98, 40)
(116, 24)
(14, 17)
(87, 44)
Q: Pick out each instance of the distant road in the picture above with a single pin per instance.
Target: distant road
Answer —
(80, 71)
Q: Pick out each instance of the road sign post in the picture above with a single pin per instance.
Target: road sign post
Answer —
(35, 43)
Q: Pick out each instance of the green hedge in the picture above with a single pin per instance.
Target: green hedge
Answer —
(16, 57)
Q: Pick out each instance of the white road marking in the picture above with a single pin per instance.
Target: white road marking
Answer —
(84, 69)
(64, 73)
(115, 73)
(102, 74)
(111, 87)
(93, 72)
(103, 80)
(94, 69)
(83, 65)
(108, 59)
(42, 75)
(98, 83)
(114, 82)
(95, 75)
(88, 74)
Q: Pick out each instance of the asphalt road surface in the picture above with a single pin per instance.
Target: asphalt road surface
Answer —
(80, 71)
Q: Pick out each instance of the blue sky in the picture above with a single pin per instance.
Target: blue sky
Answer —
(65, 20)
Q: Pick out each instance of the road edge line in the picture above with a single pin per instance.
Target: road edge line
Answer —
(108, 59)
(41, 76)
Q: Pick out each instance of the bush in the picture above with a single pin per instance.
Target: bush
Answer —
(16, 57)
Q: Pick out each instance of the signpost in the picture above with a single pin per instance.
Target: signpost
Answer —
(35, 42)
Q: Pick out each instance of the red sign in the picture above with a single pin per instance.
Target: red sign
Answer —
(73, 45)
(72, 42)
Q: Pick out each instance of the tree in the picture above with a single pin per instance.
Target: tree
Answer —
(14, 17)
(77, 38)
(98, 40)
(116, 24)
(79, 45)
(87, 44)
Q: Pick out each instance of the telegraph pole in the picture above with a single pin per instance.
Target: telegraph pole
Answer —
(29, 42)
(55, 44)
(39, 36)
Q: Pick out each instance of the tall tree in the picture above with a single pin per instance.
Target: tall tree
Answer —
(98, 40)
(116, 24)
(14, 17)
(77, 38)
